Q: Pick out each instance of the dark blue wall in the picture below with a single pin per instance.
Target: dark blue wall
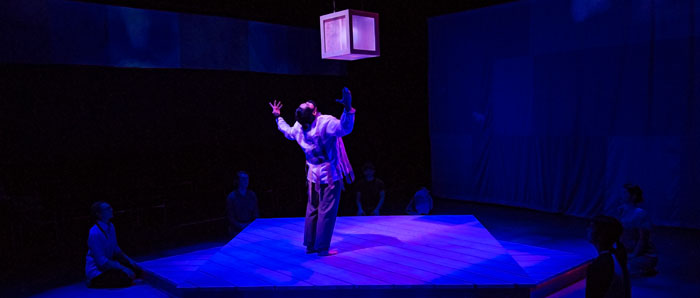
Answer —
(553, 105)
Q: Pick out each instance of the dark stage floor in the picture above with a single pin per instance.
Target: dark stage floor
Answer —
(515, 229)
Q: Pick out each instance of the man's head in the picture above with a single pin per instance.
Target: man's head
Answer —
(242, 180)
(604, 231)
(101, 211)
(368, 170)
(634, 193)
(306, 113)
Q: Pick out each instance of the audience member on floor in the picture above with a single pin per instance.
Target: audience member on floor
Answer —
(369, 192)
(241, 205)
(636, 221)
(421, 203)
(608, 275)
(107, 266)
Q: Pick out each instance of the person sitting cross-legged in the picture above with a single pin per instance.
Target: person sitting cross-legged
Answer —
(107, 266)
(241, 205)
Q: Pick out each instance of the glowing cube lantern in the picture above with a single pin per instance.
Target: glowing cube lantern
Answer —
(350, 35)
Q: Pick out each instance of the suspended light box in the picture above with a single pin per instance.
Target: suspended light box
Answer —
(350, 35)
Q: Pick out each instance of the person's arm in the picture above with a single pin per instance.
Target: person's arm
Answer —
(643, 227)
(411, 208)
(97, 244)
(379, 205)
(360, 211)
(288, 131)
(380, 186)
(641, 243)
(118, 252)
(256, 209)
(282, 125)
(130, 261)
(231, 213)
(344, 126)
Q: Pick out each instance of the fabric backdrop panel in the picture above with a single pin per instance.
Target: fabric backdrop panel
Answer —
(554, 105)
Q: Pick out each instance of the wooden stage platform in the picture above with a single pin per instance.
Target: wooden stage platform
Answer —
(378, 256)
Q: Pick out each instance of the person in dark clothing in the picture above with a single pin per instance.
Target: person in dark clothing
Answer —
(421, 203)
(241, 205)
(636, 237)
(607, 276)
(369, 192)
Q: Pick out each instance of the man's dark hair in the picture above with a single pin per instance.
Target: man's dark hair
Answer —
(636, 192)
(305, 116)
(606, 234)
(95, 209)
(238, 178)
(606, 230)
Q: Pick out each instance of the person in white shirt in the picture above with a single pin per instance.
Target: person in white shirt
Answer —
(106, 265)
(320, 138)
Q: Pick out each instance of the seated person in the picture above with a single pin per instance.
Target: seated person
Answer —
(107, 266)
(241, 205)
(421, 203)
(636, 221)
(607, 275)
(369, 192)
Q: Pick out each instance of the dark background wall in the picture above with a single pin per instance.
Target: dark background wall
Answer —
(163, 145)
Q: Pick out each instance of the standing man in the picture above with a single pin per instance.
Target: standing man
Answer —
(241, 205)
(320, 138)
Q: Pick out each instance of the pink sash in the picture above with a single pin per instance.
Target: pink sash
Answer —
(344, 163)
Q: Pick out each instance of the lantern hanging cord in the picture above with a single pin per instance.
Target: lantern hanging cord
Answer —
(333, 5)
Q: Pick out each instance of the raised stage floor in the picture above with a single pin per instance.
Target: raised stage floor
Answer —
(378, 256)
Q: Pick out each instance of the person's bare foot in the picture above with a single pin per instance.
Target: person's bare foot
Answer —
(325, 252)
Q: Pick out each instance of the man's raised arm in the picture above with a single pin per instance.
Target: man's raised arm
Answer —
(281, 124)
(347, 120)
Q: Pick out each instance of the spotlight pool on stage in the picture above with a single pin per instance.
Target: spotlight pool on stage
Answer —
(378, 256)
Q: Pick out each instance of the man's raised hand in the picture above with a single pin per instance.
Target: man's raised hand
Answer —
(276, 108)
(347, 99)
